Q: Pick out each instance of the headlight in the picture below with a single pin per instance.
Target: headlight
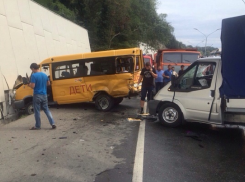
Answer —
(136, 84)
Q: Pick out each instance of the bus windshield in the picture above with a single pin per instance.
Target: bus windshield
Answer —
(147, 60)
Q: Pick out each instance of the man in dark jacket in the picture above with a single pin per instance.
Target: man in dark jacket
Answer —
(147, 74)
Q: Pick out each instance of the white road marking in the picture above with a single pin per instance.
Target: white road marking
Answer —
(139, 154)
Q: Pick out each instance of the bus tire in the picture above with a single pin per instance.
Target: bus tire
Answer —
(118, 100)
(170, 115)
(104, 102)
(29, 108)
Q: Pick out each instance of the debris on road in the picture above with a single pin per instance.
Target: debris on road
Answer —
(63, 138)
(201, 146)
(133, 119)
(33, 174)
(112, 147)
(193, 135)
(81, 140)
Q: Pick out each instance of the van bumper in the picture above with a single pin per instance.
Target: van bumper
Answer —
(152, 105)
(19, 104)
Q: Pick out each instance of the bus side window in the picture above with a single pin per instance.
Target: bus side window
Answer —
(61, 71)
(124, 64)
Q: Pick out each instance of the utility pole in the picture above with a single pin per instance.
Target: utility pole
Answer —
(206, 38)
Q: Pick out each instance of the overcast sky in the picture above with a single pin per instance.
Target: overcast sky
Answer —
(205, 15)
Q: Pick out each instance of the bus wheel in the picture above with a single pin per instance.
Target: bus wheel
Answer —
(104, 102)
(29, 108)
(170, 115)
(118, 100)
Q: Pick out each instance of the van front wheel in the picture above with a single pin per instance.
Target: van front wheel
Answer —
(170, 115)
(104, 102)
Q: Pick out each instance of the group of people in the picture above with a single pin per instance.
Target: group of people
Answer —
(161, 77)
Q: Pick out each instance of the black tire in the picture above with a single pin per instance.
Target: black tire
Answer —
(170, 115)
(29, 108)
(104, 102)
(118, 100)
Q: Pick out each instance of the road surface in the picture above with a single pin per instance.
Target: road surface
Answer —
(89, 145)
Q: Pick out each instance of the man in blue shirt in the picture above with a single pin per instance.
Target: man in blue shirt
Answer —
(38, 83)
(159, 79)
(167, 75)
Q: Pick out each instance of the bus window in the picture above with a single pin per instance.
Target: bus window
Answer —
(189, 57)
(147, 60)
(124, 64)
(99, 66)
(61, 71)
(172, 58)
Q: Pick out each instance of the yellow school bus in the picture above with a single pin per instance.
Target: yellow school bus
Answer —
(104, 77)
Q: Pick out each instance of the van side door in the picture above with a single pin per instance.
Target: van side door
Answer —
(68, 83)
(194, 92)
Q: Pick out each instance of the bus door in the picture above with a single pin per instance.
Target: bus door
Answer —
(68, 84)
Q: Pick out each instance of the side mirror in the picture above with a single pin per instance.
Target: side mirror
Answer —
(25, 81)
(173, 80)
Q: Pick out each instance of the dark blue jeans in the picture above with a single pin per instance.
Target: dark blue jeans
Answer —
(159, 86)
(146, 91)
(41, 101)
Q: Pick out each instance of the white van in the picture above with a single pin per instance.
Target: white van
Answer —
(210, 90)
(195, 96)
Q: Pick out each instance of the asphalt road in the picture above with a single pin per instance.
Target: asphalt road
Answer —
(208, 156)
(89, 145)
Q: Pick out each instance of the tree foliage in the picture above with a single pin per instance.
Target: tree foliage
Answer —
(113, 24)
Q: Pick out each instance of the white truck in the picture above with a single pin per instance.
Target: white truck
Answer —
(211, 90)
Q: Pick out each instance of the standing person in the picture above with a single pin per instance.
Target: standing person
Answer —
(167, 75)
(181, 71)
(147, 74)
(38, 83)
(174, 72)
(159, 79)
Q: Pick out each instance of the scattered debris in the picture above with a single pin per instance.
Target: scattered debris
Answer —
(75, 119)
(101, 120)
(74, 132)
(81, 140)
(53, 138)
(13, 137)
(201, 146)
(193, 135)
(63, 138)
(37, 160)
(133, 119)
(33, 174)
(44, 149)
(15, 148)
(78, 156)
(112, 147)
(42, 154)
